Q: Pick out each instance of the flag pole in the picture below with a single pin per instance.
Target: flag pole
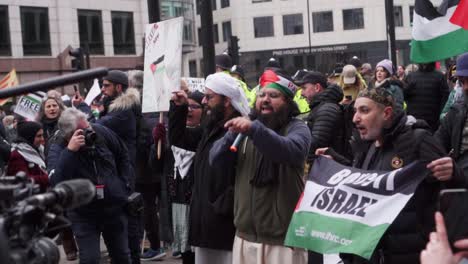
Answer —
(389, 14)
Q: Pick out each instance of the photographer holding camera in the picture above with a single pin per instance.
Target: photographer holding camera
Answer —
(94, 152)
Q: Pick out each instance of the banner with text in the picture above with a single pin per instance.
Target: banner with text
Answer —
(163, 63)
(195, 84)
(347, 210)
(28, 105)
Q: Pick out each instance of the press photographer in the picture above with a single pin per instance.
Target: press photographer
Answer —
(94, 152)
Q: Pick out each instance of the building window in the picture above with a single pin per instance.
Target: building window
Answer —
(122, 31)
(35, 30)
(90, 31)
(353, 18)
(225, 3)
(298, 62)
(293, 24)
(398, 16)
(192, 65)
(227, 31)
(199, 37)
(411, 14)
(213, 4)
(263, 27)
(260, 1)
(188, 31)
(215, 33)
(5, 45)
(322, 21)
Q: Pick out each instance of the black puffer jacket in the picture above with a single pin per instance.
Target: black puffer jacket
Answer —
(212, 205)
(325, 120)
(425, 96)
(450, 133)
(406, 142)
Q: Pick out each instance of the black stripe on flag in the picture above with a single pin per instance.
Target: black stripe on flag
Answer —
(426, 9)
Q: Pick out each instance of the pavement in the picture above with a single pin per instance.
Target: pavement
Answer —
(106, 260)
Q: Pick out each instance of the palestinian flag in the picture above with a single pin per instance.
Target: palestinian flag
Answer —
(439, 33)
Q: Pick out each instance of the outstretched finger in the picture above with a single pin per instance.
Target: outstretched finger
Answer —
(440, 228)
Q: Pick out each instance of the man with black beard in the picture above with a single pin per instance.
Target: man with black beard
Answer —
(211, 229)
(269, 168)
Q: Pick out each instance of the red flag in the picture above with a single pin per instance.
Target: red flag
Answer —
(460, 16)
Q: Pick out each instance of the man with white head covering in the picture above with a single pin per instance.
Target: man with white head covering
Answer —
(211, 229)
(269, 168)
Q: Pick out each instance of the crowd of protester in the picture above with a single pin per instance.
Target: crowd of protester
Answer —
(212, 205)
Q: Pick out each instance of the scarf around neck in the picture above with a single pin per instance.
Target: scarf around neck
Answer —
(30, 154)
(182, 161)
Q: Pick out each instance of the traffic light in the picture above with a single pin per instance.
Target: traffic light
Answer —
(233, 49)
(77, 61)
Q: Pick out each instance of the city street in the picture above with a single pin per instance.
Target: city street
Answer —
(105, 259)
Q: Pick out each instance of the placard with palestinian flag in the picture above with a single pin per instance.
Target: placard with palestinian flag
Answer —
(347, 210)
(439, 33)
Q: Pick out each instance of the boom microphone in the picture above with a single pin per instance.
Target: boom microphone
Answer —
(69, 194)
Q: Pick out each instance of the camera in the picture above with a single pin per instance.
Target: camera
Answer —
(28, 220)
(90, 137)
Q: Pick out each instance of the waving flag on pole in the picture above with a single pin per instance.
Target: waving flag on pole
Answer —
(439, 33)
(9, 80)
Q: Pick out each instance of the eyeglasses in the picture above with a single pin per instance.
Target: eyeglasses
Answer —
(272, 95)
(209, 96)
(194, 106)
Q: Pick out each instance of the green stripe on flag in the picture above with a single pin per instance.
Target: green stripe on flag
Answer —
(331, 235)
(34, 99)
(442, 47)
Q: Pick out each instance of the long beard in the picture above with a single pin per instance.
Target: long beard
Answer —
(216, 115)
(275, 120)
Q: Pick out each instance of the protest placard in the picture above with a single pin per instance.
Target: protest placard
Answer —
(28, 105)
(162, 64)
(195, 84)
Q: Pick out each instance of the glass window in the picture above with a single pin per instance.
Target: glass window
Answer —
(322, 21)
(298, 62)
(35, 30)
(398, 16)
(225, 3)
(5, 45)
(215, 33)
(213, 4)
(192, 64)
(293, 24)
(411, 14)
(353, 18)
(122, 31)
(227, 31)
(90, 30)
(263, 27)
(188, 31)
(260, 1)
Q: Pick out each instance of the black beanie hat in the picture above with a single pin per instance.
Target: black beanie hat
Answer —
(197, 96)
(27, 130)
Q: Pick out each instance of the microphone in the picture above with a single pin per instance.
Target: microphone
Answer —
(236, 143)
(69, 194)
